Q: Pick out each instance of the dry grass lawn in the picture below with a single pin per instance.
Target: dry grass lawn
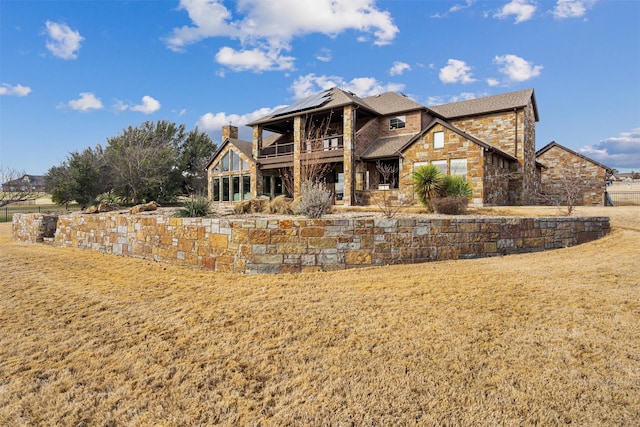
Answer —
(548, 338)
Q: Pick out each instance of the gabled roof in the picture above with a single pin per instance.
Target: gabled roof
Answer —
(37, 180)
(245, 147)
(383, 104)
(387, 147)
(488, 104)
(393, 146)
(392, 103)
(331, 98)
(552, 144)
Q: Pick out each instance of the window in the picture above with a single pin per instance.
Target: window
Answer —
(235, 161)
(244, 165)
(235, 188)
(440, 164)
(225, 189)
(459, 167)
(225, 163)
(438, 140)
(416, 165)
(397, 122)
(246, 187)
(215, 189)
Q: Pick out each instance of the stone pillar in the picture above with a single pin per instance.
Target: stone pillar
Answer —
(348, 130)
(297, 155)
(256, 174)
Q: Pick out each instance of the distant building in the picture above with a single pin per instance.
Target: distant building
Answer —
(25, 184)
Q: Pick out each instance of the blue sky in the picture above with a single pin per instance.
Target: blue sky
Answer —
(75, 73)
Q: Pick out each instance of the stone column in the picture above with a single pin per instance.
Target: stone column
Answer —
(256, 174)
(348, 130)
(297, 147)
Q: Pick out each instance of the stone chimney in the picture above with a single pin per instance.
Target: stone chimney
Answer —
(229, 132)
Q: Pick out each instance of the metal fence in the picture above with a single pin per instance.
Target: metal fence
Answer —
(6, 212)
(625, 198)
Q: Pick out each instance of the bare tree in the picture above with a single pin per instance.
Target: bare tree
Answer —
(312, 169)
(14, 189)
(568, 188)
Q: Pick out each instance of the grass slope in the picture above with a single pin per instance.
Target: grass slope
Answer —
(548, 338)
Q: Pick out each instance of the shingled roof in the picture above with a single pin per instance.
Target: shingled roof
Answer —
(392, 102)
(245, 147)
(575, 153)
(488, 104)
(393, 146)
(387, 147)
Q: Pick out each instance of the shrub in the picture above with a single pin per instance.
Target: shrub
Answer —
(457, 186)
(450, 205)
(197, 206)
(428, 182)
(281, 205)
(315, 200)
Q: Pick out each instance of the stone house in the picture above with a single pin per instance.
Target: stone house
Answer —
(26, 183)
(367, 148)
(568, 171)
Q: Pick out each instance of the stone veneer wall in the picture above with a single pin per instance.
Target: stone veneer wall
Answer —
(276, 245)
(568, 169)
(34, 228)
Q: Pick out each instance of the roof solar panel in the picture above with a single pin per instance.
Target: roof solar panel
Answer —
(315, 100)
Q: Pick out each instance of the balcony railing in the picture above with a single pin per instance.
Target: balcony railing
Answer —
(328, 144)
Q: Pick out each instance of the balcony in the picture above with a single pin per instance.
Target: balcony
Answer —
(330, 148)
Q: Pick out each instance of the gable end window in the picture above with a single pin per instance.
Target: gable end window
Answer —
(438, 140)
(398, 122)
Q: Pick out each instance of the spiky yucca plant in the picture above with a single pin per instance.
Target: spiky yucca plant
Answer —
(428, 182)
(195, 207)
(455, 185)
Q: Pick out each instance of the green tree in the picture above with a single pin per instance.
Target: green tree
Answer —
(81, 178)
(57, 183)
(192, 160)
(144, 161)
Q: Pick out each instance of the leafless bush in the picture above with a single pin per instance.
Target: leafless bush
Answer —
(450, 205)
(390, 204)
(567, 189)
(281, 205)
(315, 200)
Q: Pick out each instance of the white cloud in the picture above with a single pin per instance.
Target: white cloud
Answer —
(459, 7)
(86, 102)
(618, 152)
(212, 122)
(324, 55)
(572, 8)
(270, 26)
(399, 68)
(493, 82)
(63, 42)
(15, 90)
(362, 86)
(253, 60)
(149, 105)
(456, 71)
(517, 69)
(523, 10)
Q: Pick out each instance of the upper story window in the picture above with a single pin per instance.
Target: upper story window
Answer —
(438, 140)
(398, 122)
(230, 162)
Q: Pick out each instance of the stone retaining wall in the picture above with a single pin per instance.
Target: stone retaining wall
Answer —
(272, 245)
